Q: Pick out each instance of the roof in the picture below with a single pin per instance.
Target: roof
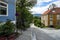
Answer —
(57, 10)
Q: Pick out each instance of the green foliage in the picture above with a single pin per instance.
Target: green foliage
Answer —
(37, 22)
(7, 28)
(57, 26)
(25, 17)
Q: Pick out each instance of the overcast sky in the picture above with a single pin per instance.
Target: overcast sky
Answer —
(42, 5)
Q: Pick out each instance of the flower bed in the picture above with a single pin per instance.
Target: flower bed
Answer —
(10, 37)
(7, 31)
(2, 38)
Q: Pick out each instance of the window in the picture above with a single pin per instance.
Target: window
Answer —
(3, 9)
(51, 22)
(58, 17)
(4, 0)
(51, 17)
(58, 22)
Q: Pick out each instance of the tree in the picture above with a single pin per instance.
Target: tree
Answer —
(24, 16)
(52, 6)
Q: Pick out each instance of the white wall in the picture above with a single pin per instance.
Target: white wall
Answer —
(44, 20)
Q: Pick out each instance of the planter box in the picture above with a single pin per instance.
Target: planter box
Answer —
(10, 37)
(2, 38)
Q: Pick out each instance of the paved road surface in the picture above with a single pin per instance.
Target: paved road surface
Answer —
(39, 35)
(34, 34)
(25, 36)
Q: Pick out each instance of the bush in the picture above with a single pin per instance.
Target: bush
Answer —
(57, 26)
(7, 28)
(37, 22)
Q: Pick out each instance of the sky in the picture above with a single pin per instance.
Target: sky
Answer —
(42, 5)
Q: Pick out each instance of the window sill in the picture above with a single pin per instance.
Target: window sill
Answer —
(3, 15)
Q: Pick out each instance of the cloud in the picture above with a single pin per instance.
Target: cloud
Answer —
(39, 1)
(42, 3)
(38, 10)
(57, 3)
(42, 6)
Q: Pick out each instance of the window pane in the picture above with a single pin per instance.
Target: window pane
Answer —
(3, 11)
(58, 22)
(2, 4)
(3, 8)
(58, 17)
(51, 16)
(51, 22)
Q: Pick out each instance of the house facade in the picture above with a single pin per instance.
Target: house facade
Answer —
(7, 10)
(51, 17)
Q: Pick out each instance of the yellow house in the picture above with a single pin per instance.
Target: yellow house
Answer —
(51, 17)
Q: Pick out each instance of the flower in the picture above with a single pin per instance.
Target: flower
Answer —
(17, 14)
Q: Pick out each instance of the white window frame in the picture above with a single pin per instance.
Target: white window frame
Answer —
(4, 7)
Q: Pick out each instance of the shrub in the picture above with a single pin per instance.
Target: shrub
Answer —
(57, 26)
(37, 22)
(7, 28)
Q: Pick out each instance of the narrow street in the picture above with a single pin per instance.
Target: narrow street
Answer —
(34, 34)
(40, 35)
